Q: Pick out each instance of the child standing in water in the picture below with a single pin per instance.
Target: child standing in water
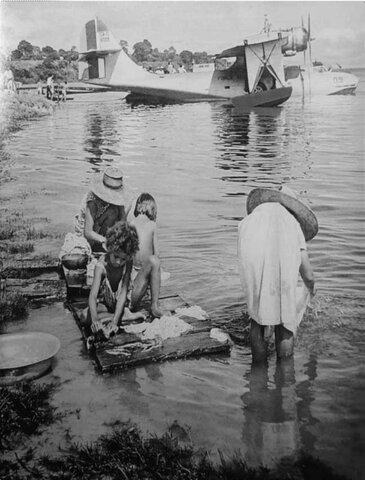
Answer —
(108, 294)
(146, 263)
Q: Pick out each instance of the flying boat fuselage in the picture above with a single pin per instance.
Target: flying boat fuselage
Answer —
(249, 69)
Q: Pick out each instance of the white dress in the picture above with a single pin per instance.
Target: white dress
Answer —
(269, 245)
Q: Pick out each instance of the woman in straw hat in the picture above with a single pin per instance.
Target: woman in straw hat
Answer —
(103, 206)
(272, 253)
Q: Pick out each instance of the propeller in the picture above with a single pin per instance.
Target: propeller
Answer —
(309, 40)
(309, 51)
(303, 29)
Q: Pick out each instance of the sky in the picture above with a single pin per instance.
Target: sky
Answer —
(337, 27)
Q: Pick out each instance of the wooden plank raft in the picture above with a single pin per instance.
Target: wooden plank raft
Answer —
(126, 350)
(35, 279)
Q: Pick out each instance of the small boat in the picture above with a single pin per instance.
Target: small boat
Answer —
(251, 74)
(320, 80)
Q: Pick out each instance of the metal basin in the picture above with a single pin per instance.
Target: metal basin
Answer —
(25, 356)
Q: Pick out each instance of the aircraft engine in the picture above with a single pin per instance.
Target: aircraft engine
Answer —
(297, 41)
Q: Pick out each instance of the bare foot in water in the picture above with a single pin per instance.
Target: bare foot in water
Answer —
(128, 315)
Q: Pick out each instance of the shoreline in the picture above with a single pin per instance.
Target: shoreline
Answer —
(16, 109)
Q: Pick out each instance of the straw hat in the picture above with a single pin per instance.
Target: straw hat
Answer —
(289, 200)
(109, 186)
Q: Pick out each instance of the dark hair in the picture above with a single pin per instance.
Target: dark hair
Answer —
(122, 236)
(146, 205)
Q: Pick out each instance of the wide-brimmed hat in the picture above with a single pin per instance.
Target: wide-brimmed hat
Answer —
(286, 197)
(109, 186)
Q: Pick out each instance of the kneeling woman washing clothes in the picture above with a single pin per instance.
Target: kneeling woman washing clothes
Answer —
(273, 256)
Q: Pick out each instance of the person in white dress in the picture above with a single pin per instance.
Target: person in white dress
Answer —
(275, 271)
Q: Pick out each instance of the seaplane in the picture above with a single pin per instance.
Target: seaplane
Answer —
(312, 78)
(248, 75)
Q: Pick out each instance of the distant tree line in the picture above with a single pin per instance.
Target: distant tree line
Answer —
(31, 63)
(27, 51)
(145, 54)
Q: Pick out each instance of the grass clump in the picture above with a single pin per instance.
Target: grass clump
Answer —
(32, 233)
(12, 307)
(23, 410)
(6, 232)
(21, 247)
(125, 454)
(17, 234)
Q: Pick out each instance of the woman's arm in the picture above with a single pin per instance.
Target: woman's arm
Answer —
(306, 272)
(90, 235)
(94, 292)
(119, 309)
(129, 210)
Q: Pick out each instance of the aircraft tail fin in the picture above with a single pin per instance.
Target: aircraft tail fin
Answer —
(97, 53)
(101, 57)
(96, 37)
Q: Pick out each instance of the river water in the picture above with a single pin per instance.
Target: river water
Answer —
(200, 161)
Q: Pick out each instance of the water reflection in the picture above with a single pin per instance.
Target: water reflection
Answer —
(271, 429)
(305, 394)
(130, 397)
(278, 417)
(100, 133)
(251, 146)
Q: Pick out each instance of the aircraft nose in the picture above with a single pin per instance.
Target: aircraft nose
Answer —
(352, 79)
(355, 79)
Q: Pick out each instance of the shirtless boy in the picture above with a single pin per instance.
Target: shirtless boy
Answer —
(146, 263)
(108, 294)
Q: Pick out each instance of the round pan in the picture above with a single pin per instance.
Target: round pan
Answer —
(26, 355)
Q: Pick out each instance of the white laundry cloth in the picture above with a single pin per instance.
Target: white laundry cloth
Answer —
(194, 311)
(74, 244)
(269, 245)
(168, 326)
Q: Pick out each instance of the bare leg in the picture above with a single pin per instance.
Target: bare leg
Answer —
(258, 344)
(284, 342)
(155, 287)
(285, 373)
(128, 315)
(148, 275)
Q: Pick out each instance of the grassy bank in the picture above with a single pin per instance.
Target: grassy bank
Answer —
(17, 234)
(12, 307)
(123, 454)
(18, 108)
